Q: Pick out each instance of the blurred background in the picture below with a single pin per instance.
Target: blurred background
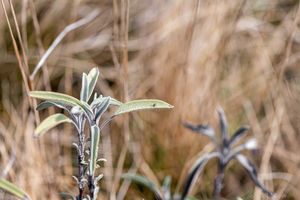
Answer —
(197, 55)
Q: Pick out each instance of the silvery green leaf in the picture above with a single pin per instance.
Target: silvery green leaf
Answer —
(166, 188)
(101, 160)
(89, 113)
(202, 129)
(96, 102)
(50, 122)
(76, 146)
(102, 107)
(115, 102)
(46, 104)
(96, 190)
(141, 104)
(195, 172)
(64, 99)
(84, 88)
(99, 100)
(95, 137)
(84, 162)
(95, 96)
(98, 178)
(66, 196)
(76, 179)
(55, 96)
(145, 182)
(250, 168)
(13, 189)
(238, 135)
(92, 78)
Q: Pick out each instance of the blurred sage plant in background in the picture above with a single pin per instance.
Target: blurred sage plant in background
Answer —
(226, 150)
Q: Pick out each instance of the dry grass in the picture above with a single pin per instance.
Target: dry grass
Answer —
(197, 55)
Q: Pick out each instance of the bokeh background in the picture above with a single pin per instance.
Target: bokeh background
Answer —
(197, 55)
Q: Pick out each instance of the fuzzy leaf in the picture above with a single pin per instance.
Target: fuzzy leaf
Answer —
(88, 111)
(100, 99)
(92, 78)
(84, 88)
(195, 172)
(166, 188)
(96, 102)
(115, 102)
(46, 104)
(50, 122)
(141, 104)
(55, 96)
(238, 135)
(98, 178)
(101, 108)
(202, 129)
(95, 137)
(224, 127)
(13, 189)
(247, 164)
(145, 182)
(63, 99)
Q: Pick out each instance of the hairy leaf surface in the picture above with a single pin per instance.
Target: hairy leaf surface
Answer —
(95, 137)
(84, 88)
(92, 78)
(141, 104)
(50, 122)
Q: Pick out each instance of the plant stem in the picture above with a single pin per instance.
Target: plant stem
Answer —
(219, 180)
(80, 161)
(91, 186)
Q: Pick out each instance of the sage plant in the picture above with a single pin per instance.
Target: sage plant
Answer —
(80, 113)
(226, 150)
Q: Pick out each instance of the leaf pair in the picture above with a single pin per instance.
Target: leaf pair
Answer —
(88, 84)
(62, 101)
